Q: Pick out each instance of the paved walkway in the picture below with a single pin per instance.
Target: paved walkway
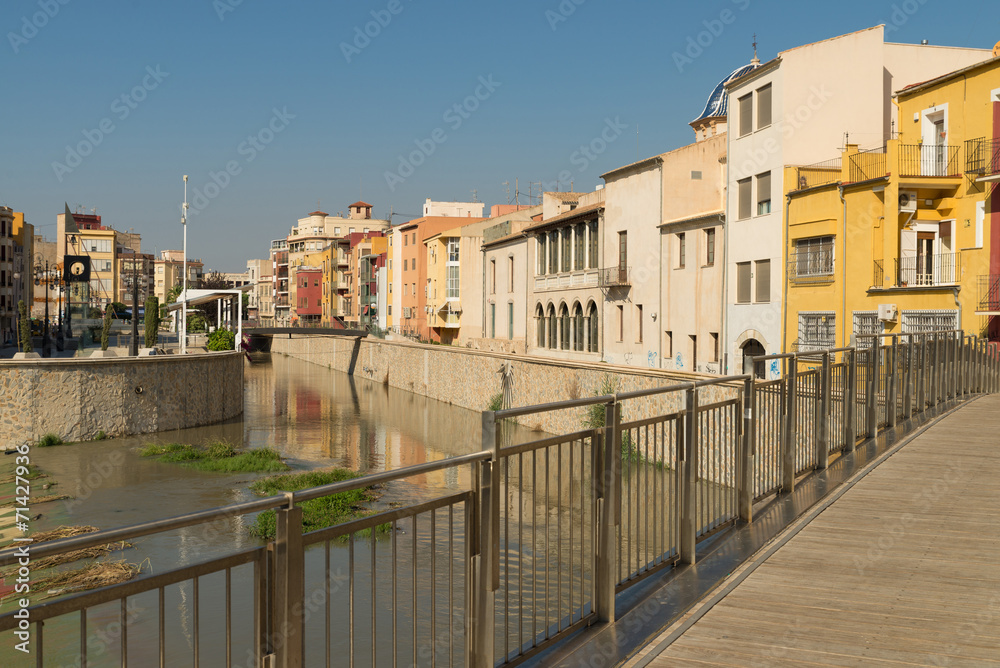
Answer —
(903, 569)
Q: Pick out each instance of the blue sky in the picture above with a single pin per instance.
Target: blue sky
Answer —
(108, 103)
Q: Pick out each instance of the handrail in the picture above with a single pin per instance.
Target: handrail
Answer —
(10, 556)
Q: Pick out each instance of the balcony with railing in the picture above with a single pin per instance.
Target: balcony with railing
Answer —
(612, 277)
(929, 160)
(989, 295)
(867, 164)
(982, 158)
(928, 270)
(818, 174)
(815, 264)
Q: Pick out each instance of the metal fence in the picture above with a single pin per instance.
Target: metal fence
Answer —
(533, 541)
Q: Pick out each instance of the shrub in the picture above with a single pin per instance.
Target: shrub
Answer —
(49, 439)
(496, 402)
(221, 339)
(25, 322)
(100, 435)
(152, 320)
(106, 330)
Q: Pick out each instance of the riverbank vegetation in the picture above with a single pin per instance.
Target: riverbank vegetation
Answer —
(316, 513)
(218, 455)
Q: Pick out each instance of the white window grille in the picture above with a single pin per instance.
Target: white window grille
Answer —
(917, 321)
(817, 331)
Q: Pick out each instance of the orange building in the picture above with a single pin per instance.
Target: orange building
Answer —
(411, 262)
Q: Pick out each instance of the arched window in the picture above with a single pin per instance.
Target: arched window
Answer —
(540, 325)
(578, 327)
(551, 324)
(564, 327)
(594, 328)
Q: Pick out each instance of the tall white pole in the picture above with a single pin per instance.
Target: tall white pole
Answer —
(183, 332)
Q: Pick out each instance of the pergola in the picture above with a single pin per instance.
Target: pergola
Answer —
(198, 297)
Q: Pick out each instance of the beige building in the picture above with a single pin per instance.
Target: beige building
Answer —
(260, 304)
(8, 303)
(85, 234)
(169, 272)
(565, 293)
(663, 221)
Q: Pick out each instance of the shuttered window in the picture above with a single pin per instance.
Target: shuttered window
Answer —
(742, 282)
(763, 106)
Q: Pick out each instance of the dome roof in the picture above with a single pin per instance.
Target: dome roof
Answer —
(718, 101)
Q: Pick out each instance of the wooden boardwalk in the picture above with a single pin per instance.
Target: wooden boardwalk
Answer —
(902, 570)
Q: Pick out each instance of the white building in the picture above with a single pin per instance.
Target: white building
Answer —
(456, 209)
(798, 109)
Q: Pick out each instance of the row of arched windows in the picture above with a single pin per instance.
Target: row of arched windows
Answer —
(568, 328)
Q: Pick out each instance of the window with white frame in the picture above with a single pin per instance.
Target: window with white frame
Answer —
(817, 330)
(865, 322)
(763, 193)
(916, 321)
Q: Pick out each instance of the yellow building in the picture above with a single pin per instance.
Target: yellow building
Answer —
(444, 316)
(895, 239)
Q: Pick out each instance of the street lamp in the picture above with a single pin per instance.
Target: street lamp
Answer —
(43, 277)
(132, 282)
(184, 271)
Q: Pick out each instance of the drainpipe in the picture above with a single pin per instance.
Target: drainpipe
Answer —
(659, 339)
(843, 325)
(784, 296)
(725, 266)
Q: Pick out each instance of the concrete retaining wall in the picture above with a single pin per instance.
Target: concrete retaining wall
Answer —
(469, 378)
(77, 398)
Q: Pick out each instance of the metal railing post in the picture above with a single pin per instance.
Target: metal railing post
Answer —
(488, 559)
(871, 390)
(823, 415)
(851, 403)
(908, 380)
(935, 364)
(608, 494)
(744, 483)
(289, 589)
(953, 366)
(788, 427)
(891, 387)
(921, 373)
(688, 476)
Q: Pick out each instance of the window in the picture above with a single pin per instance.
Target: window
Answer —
(742, 282)
(621, 322)
(452, 282)
(551, 318)
(710, 247)
(452, 250)
(554, 252)
(351, 231)
(388, 309)
(510, 320)
(668, 342)
(594, 329)
(405, 243)
(540, 325)
(763, 106)
(763, 268)
(929, 321)
(622, 250)
(715, 346)
(592, 244)
(813, 256)
(510, 273)
(493, 277)
(567, 250)
(97, 245)
(694, 352)
(540, 251)
(695, 175)
(817, 331)
(638, 315)
(493, 321)
(746, 114)
(743, 188)
(414, 237)
(564, 328)
(681, 249)
(763, 193)
(579, 231)
(980, 217)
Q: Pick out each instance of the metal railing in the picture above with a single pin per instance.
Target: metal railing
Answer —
(929, 160)
(613, 276)
(531, 541)
(989, 292)
(929, 270)
(813, 264)
(982, 156)
(818, 174)
(867, 164)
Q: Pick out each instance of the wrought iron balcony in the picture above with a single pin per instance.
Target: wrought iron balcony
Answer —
(928, 270)
(815, 264)
(982, 156)
(614, 277)
(928, 160)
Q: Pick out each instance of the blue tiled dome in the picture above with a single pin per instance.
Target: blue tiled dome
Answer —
(718, 101)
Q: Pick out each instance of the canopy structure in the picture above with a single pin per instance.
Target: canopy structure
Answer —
(198, 297)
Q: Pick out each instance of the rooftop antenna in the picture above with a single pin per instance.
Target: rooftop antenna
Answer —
(756, 60)
(506, 188)
(474, 195)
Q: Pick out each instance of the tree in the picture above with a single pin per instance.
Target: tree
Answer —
(106, 330)
(152, 320)
(173, 294)
(25, 323)
(118, 310)
(215, 281)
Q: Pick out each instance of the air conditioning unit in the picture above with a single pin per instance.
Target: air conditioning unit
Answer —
(887, 312)
(907, 201)
(406, 312)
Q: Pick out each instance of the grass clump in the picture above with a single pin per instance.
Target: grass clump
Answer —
(100, 436)
(49, 439)
(316, 513)
(594, 419)
(220, 456)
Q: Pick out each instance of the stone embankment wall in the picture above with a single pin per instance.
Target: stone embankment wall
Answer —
(470, 378)
(77, 398)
